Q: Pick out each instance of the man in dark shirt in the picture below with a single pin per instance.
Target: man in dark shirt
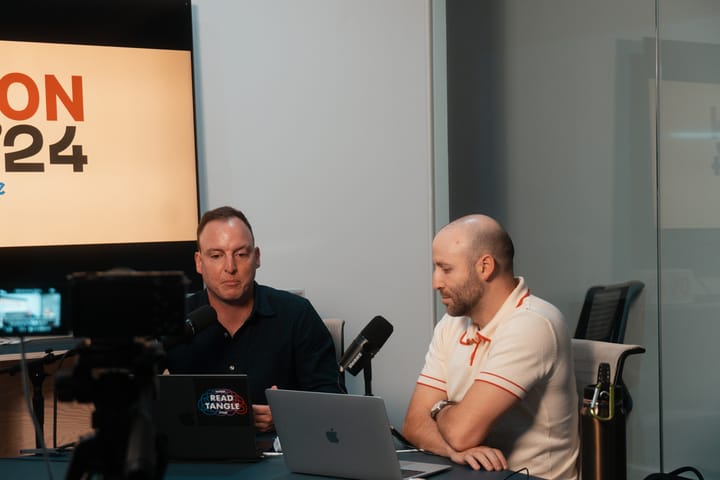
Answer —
(275, 337)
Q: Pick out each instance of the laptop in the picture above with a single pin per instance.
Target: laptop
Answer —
(206, 417)
(340, 435)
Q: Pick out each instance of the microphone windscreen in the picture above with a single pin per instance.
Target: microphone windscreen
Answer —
(196, 321)
(377, 332)
(202, 317)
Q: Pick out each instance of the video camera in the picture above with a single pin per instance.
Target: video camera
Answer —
(122, 304)
(118, 303)
(120, 314)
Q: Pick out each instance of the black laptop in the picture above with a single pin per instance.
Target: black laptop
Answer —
(206, 418)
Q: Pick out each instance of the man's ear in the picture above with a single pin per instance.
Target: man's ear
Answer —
(485, 267)
(198, 263)
(257, 257)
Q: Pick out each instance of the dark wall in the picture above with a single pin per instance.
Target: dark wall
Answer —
(475, 98)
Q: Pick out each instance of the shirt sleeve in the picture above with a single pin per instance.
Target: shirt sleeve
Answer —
(522, 354)
(434, 373)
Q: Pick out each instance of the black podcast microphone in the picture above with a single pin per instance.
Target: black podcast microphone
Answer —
(197, 320)
(365, 345)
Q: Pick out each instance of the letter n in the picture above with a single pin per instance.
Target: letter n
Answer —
(73, 104)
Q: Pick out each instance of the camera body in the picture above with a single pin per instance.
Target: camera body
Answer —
(122, 304)
(120, 313)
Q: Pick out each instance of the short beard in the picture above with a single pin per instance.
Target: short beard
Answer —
(466, 297)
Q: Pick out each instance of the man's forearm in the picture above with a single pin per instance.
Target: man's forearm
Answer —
(467, 424)
(422, 431)
(444, 424)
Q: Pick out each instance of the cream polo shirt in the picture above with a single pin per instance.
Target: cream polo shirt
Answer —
(525, 350)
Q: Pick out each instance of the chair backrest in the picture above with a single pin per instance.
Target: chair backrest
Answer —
(589, 354)
(605, 311)
(337, 330)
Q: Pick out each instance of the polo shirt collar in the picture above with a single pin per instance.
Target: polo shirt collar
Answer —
(513, 301)
(261, 306)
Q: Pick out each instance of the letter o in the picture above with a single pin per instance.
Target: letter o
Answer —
(32, 92)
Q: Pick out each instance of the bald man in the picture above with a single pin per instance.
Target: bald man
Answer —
(498, 388)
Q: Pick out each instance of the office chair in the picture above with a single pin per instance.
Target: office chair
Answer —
(336, 326)
(603, 439)
(604, 317)
(605, 311)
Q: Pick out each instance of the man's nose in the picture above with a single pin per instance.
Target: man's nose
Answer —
(230, 265)
(437, 283)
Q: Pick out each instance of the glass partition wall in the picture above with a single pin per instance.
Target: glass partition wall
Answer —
(688, 167)
(592, 131)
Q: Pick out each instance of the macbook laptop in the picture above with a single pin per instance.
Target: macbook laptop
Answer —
(337, 435)
(205, 417)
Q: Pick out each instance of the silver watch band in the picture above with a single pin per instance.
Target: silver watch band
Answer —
(439, 406)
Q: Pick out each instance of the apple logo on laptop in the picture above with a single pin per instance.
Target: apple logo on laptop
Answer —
(332, 436)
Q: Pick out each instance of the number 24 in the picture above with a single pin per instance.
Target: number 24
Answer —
(12, 159)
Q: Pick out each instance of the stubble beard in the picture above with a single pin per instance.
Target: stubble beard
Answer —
(465, 298)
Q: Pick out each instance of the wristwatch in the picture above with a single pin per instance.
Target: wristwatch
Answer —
(439, 406)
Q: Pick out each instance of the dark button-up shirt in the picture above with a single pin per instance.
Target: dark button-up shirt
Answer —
(284, 342)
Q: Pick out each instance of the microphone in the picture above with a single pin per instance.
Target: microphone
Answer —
(365, 345)
(197, 320)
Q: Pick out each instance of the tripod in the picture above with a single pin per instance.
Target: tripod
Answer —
(124, 444)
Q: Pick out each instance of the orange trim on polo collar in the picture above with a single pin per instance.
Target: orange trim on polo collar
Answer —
(479, 339)
(522, 299)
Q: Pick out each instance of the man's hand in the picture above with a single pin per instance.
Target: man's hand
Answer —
(481, 457)
(263, 417)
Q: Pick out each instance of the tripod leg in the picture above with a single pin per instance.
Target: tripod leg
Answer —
(141, 457)
(82, 458)
(161, 457)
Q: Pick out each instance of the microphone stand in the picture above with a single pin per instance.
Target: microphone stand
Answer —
(37, 375)
(367, 374)
(36, 372)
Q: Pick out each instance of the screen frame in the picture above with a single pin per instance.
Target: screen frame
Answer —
(160, 24)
